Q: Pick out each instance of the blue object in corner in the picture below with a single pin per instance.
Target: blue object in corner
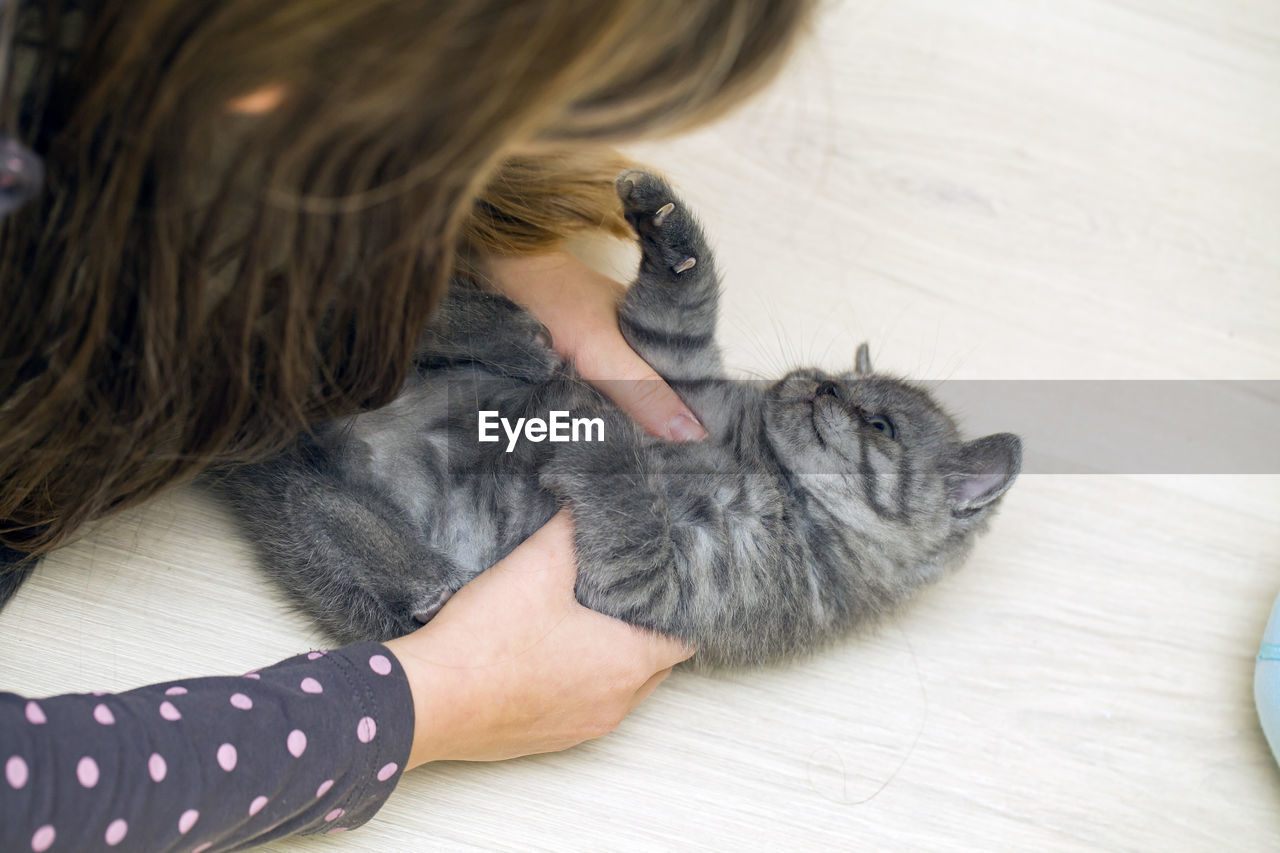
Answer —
(1266, 681)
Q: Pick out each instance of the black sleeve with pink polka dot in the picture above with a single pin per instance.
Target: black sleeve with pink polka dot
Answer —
(313, 744)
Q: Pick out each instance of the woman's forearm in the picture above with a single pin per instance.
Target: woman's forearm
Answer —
(310, 745)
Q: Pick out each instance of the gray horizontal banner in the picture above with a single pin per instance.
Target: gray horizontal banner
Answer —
(1066, 426)
(1127, 426)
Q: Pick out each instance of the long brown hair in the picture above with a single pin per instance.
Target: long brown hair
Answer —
(195, 286)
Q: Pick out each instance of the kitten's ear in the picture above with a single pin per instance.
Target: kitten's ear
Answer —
(862, 362)
(981, 471)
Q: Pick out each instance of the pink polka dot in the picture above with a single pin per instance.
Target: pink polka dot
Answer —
(16, 771)
(115, 832)
(297, 743)
(169, 712)
(103, 714)
(310, 685)
(252, 675)
(366, 729)
(188, 820)
(157, 767)
(176, 691)
(380, 664)
(227, 757)
(202, 847)
(333, 815)
(87, 772)
(387, 771)
(241, 701)
(256, 805)
(324, 788)
(36, 717)
(315, 655)
(42, 840)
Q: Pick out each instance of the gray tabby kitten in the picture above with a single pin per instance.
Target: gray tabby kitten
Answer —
(816, 503)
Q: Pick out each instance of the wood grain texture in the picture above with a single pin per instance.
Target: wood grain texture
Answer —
(1005, 189)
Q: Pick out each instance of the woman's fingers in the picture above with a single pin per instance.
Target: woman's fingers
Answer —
(513, 664)
(547, 569)
(580, 308)
(622, 376)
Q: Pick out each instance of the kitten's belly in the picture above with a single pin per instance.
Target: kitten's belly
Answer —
(481, 522)
(472, 500)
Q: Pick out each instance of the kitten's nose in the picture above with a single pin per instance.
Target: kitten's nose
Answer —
(827, 389)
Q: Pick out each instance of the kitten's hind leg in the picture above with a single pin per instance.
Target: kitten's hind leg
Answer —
(669, 313)
(344, 554)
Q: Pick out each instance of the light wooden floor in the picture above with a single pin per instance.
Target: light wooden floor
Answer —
(1030, 189)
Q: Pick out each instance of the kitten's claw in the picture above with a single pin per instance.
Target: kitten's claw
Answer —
(661, 216)
(686, 264)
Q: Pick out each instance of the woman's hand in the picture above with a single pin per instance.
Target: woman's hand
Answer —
(580, 307)
(514, 665)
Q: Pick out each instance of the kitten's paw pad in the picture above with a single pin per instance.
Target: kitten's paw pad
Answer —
(634, 186)
(424, 614)
(532, 340)
(646, 198)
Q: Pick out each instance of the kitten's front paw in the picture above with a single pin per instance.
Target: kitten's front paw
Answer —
(670, 238)
(473, 325)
